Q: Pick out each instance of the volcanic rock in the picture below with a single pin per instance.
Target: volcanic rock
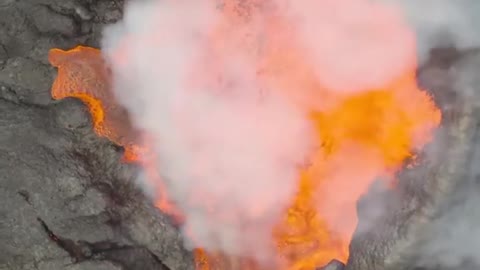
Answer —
(333, 265)
(66, 200)
(431, 220)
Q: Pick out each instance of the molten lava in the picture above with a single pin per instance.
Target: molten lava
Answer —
(363, 134)
(366, 128)
(82, 74)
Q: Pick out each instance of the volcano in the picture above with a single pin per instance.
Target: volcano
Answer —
(76, 168)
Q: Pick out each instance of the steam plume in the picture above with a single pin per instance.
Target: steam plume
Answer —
(228, 153)
(451, 239)
(442, 23)
(229, 144)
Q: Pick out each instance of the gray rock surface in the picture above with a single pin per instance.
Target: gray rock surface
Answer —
(66, 201)
(333, 265)
(431, 220)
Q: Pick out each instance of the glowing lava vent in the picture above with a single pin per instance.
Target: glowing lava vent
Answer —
(368, 114)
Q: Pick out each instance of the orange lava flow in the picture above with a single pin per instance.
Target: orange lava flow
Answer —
(363, 136)
(83, 74)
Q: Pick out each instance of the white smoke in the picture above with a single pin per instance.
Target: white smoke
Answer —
(229, 153)
(354, 45)
(450, 238)
(441, 23)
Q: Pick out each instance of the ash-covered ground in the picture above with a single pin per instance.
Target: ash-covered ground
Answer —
(67, 202)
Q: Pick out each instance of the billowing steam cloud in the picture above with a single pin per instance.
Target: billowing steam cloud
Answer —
(442, 23)
(453, 238)
(229, 144)
(228, 152)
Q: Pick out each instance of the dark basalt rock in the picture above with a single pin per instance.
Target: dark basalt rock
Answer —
(429, 221)
(66, 200)
(333, 265)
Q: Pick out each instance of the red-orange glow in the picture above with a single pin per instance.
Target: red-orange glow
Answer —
(83, 74)
(365, 136)
(362, 134)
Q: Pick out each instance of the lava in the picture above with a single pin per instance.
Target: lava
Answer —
(82, 74)
(367, 127)
(364, 133)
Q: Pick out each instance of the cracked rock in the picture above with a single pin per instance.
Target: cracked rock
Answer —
(71, 114)
(46, 21)
(3, 53)
(32, 86)
(430, 221)
(66, 200)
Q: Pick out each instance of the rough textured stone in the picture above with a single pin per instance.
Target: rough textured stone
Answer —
(333, 265)
(66, 200)
(47, 21)
(430, 221)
